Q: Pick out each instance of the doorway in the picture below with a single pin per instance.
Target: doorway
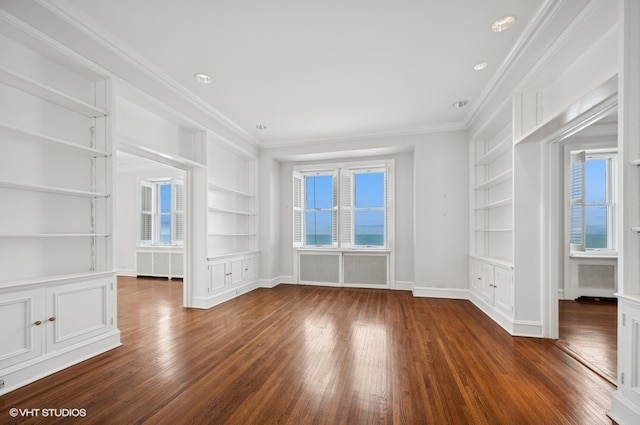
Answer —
(150, 219)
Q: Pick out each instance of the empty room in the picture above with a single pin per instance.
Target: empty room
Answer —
(251, 212)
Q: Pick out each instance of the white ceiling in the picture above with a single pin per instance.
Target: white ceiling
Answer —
(320, 69)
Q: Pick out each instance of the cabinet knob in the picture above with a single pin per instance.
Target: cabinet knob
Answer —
(52, 319)
(38, 323)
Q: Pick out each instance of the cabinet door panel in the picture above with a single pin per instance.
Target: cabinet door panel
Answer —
(503, 281)
(20, 336)
(237, 270)
(488, 292)
(217, 275)
(78, 311)
(475, 276)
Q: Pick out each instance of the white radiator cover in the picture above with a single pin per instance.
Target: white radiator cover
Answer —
(367, 270)
(159, 263)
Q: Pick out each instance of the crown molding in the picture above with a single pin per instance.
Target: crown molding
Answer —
(73, 17)
(444, 128)
(523, 44)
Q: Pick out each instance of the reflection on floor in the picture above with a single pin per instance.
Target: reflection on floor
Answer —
(588, 331)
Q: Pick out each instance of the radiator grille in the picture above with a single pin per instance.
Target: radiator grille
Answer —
(596, 276)
(365, 269)
(319, 268)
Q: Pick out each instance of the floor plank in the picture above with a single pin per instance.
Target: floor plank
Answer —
(312, 355)
(589, 331)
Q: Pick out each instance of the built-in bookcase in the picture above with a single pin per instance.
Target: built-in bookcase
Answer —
(232, 204)
(57, 285)
(493, 197)
(55, 170)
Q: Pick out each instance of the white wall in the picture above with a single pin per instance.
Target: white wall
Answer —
(431, 204)
(441, 186)
(128, 177)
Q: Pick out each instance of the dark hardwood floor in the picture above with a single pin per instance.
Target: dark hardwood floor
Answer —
(311, 355)
(588, 331)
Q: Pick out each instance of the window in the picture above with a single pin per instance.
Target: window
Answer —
(592, 201)
(343, 207)
(162, 212)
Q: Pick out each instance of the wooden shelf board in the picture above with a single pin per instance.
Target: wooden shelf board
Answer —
(496, 204)
(500, 178)
(495, 153)
(217, 188)
(51, 189)
(43, 138)
(223, 210)
(48, 93)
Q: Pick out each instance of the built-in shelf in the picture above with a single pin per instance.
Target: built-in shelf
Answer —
(54, 279)
(232, 234)
(635, 162)
(51, 189)
(49, 94)
(227, 211)
(635, 229)
(500, 178)
(500, 149)
(217, 188)
(58, 143)
(53, 235)
(501, 203)
(493, 260)
(504, 229)
(221, 256)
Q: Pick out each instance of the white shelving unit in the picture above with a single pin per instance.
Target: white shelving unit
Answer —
(493, 198)
(491, 251)
(232, 232)
(57, 286)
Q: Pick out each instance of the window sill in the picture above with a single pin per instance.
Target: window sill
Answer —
(370, 250)
(151, 247)
(594, 254)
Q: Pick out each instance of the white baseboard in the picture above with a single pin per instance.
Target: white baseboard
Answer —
(126, 272)
(431, 292)
(50, 363)
(273, 282)
(403, 286)
(223, 295)
(623, 410)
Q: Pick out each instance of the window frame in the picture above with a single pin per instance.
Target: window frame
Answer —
(343, 221)
(577, 166)
(176, 214)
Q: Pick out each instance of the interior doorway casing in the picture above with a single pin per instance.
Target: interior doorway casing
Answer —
(593, 107)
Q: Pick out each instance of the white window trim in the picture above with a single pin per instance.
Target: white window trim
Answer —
(582, 251)
(155, 184)
(327, 168)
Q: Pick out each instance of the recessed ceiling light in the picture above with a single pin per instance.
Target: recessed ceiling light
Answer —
(202, 78)
(503, 23)
(480, 66)
(261, 127)
(459, 104)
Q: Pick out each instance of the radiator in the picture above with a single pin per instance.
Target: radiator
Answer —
(159, 264)
(319, 268)
(365, 269)
(348, 269)
(597, 276)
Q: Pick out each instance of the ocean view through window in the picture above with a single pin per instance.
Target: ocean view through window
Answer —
(341, 207)
(592, 200)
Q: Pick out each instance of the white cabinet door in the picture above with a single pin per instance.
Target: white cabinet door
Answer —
(503, 285)
(217, 275)
(78, 311)
(251, 267)
(23, 322)
(475, 276)
(237, 270)
(488, 292)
